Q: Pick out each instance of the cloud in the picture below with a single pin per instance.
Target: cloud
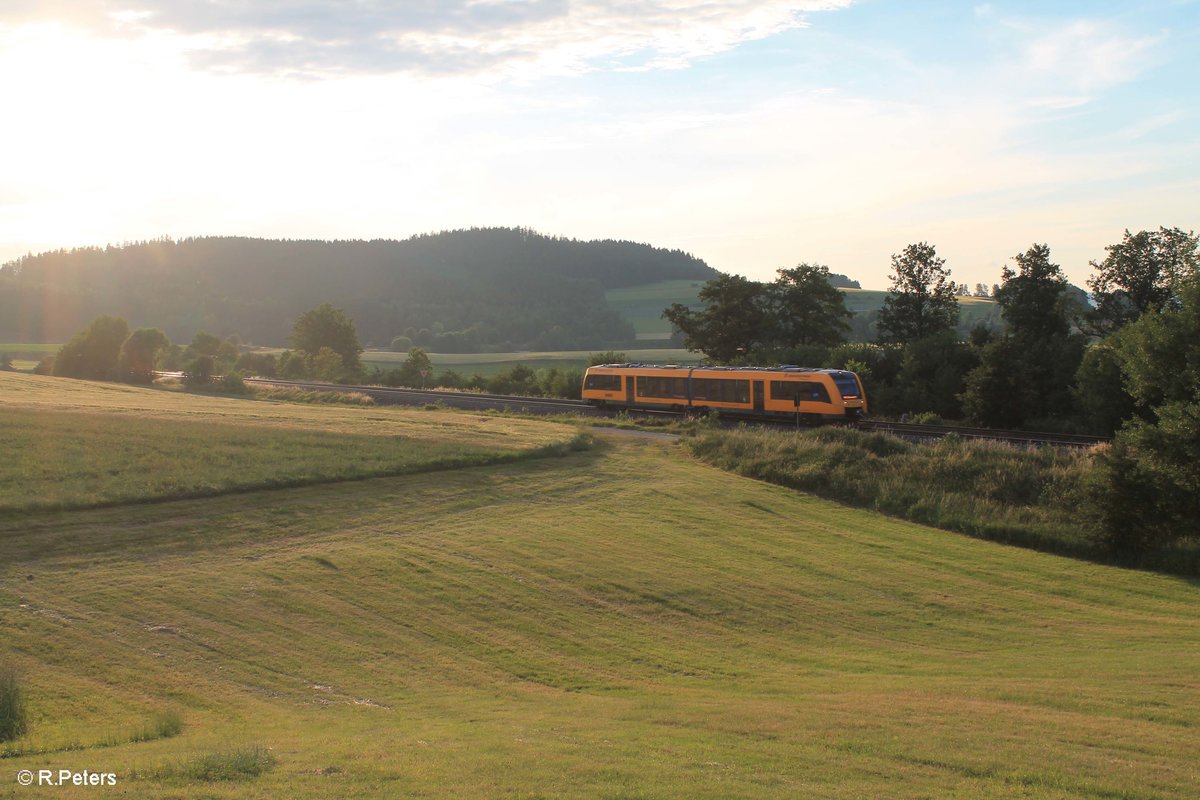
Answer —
(321, 38)
(1089, 55)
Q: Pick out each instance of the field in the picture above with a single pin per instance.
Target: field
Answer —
(643, 306)
(85, 444)
(619, 622)
(487, 364)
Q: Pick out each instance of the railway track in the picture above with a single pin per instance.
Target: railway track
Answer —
(912, 431)
(472, 401)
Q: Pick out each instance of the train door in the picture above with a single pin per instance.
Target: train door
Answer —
(759, 396)
(629, 389)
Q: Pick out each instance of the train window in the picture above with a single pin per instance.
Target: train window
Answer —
(603, 383)
(654, 386)
(785, 390)
(813, 392)
(847, 384)
(721, 390)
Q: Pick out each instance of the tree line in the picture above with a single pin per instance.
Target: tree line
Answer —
(324, 347)
(1127, 364)
(471, 290)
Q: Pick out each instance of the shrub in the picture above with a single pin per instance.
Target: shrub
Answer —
(164, 725)
(232, 382)
(230, 765)
(199, 371)
(227, 765)
(1002, 492)
(14, 716)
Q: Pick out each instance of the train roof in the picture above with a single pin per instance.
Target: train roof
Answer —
(786, 368)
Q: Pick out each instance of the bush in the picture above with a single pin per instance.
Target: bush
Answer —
(986, 489)
(226, 765)
(14, 716)
(232, 382)
(164, 725)
(200, 371)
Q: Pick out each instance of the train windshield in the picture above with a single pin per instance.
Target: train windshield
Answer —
(847, 384)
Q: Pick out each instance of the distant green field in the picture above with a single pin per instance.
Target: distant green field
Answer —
(643, 305)
(28, 352)
(488, 364)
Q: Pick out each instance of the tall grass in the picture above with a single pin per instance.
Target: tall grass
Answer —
(1032, 497)
(238, 764)
(289, 394)
(60, 460)
(14, 714)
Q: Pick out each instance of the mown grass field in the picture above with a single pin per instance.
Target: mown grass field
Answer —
(86, 444)
(620, 622)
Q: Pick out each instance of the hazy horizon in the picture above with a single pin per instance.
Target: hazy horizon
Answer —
(754, 135)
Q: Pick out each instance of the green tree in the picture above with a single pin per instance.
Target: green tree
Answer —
(922, 300)
(293, 364)
(807, 308)
(204, 344)
(1033, 299)
(1101, 400)
(1149, 492)
(326, 326)
(93, 353)
(327, 365)
(262, 364)
(199, 371)
(933, 374)
(1026, 375)
(139, 354)
(1142, 273)
(732, 322)
(416, 369)
(401, 344)
(994, 392)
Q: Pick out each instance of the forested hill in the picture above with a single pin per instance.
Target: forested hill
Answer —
(460, 290)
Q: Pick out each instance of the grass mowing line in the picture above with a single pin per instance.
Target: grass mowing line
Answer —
(618, 622)
(162, 725)
(76, 445)
(72, 461)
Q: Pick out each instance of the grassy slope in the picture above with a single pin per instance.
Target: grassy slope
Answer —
(570, 628)
(86, 444)
(477, 647)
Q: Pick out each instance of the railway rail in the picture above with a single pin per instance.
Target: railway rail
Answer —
(548, 405)
(913, 431)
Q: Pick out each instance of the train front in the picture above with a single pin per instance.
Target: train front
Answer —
(853, 397)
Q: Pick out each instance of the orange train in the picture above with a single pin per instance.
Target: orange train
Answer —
(784, 391)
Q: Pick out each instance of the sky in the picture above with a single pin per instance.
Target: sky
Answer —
(754, 134)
